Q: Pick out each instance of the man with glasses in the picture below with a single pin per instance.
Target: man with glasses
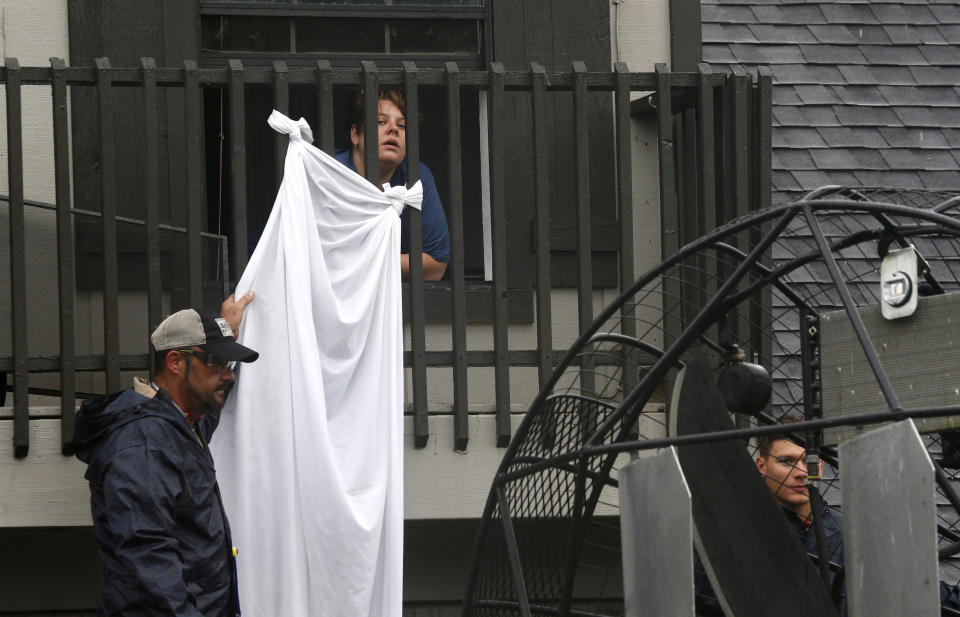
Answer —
(782, 461)
(783, 464)
(164, 541)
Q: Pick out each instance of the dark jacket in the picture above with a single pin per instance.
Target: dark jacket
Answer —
(707, 604)
(833, 542)
(164, 540)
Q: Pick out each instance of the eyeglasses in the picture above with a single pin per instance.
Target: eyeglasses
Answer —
(210, 360)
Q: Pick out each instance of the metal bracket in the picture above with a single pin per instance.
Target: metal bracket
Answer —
(900, 273)
(810, 360)
(813, 408)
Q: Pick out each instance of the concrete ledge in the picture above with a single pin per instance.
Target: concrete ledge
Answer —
(47, 489)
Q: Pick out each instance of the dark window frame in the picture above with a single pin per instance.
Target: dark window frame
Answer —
(483, 15)
(437, 302)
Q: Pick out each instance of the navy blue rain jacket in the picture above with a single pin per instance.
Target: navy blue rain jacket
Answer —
(164, 540)
(708, 605)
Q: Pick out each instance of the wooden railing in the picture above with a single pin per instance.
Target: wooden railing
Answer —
(714, 157)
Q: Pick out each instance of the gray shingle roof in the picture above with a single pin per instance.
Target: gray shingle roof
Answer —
(817, 95)
(902, 137)
(786, 95)
(728, 33)
(932, 116)
(935, 75)
(795, 34)
(940, 54)
(738, 14)
(934, 96)
(952, 136)
(848, 158)
(833, 54)
(878, 75)
(898, 13)
(852, 137)
(864, 92)
(941, 179)
(768, 54)
(860, 115)
(904, 34)
(841, 13)
(946, 12)
(789, 14)
(920, 159)
(860, 95)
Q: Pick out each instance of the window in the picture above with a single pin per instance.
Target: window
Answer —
(387, 31)
(429, 32)
(262, 182)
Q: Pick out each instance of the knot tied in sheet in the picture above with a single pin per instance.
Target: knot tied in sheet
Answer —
(298, 131)
(401, 196)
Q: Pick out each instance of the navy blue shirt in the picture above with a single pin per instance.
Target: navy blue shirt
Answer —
(436, 237)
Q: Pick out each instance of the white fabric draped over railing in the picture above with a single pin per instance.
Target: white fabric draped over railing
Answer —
(309, 451)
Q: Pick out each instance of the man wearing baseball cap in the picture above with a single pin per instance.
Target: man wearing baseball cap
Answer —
(164, 540)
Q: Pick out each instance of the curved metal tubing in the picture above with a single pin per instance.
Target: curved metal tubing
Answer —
(742, 433)
(950, 203)
(938, 221)
(851, 308)
(786, 212)
(693, 330)
(623, 339)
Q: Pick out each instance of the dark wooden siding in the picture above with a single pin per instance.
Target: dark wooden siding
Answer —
(124, 32)
(554, 34)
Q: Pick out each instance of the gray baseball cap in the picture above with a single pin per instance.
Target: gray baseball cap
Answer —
(190, 328)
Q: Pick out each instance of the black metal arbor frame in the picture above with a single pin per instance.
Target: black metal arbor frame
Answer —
(549, 539)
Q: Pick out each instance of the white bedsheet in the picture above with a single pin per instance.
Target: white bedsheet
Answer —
(309, 451)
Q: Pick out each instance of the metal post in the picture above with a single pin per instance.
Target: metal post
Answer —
(762, 307)
(65, 254)
(810, 369)
(195, 208)
(624, 134)
(706, 180)
(18, 262)
(281, 102)
(501, 347)
(325, 105)
(108, 220)
(656, 530)
(889, 538)
(418, 344)
(461, 429)
(739, 317)
(669, 215)
(371, 104)
(541, 188)
(238, 168)
(151, 187)
(584, 227)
